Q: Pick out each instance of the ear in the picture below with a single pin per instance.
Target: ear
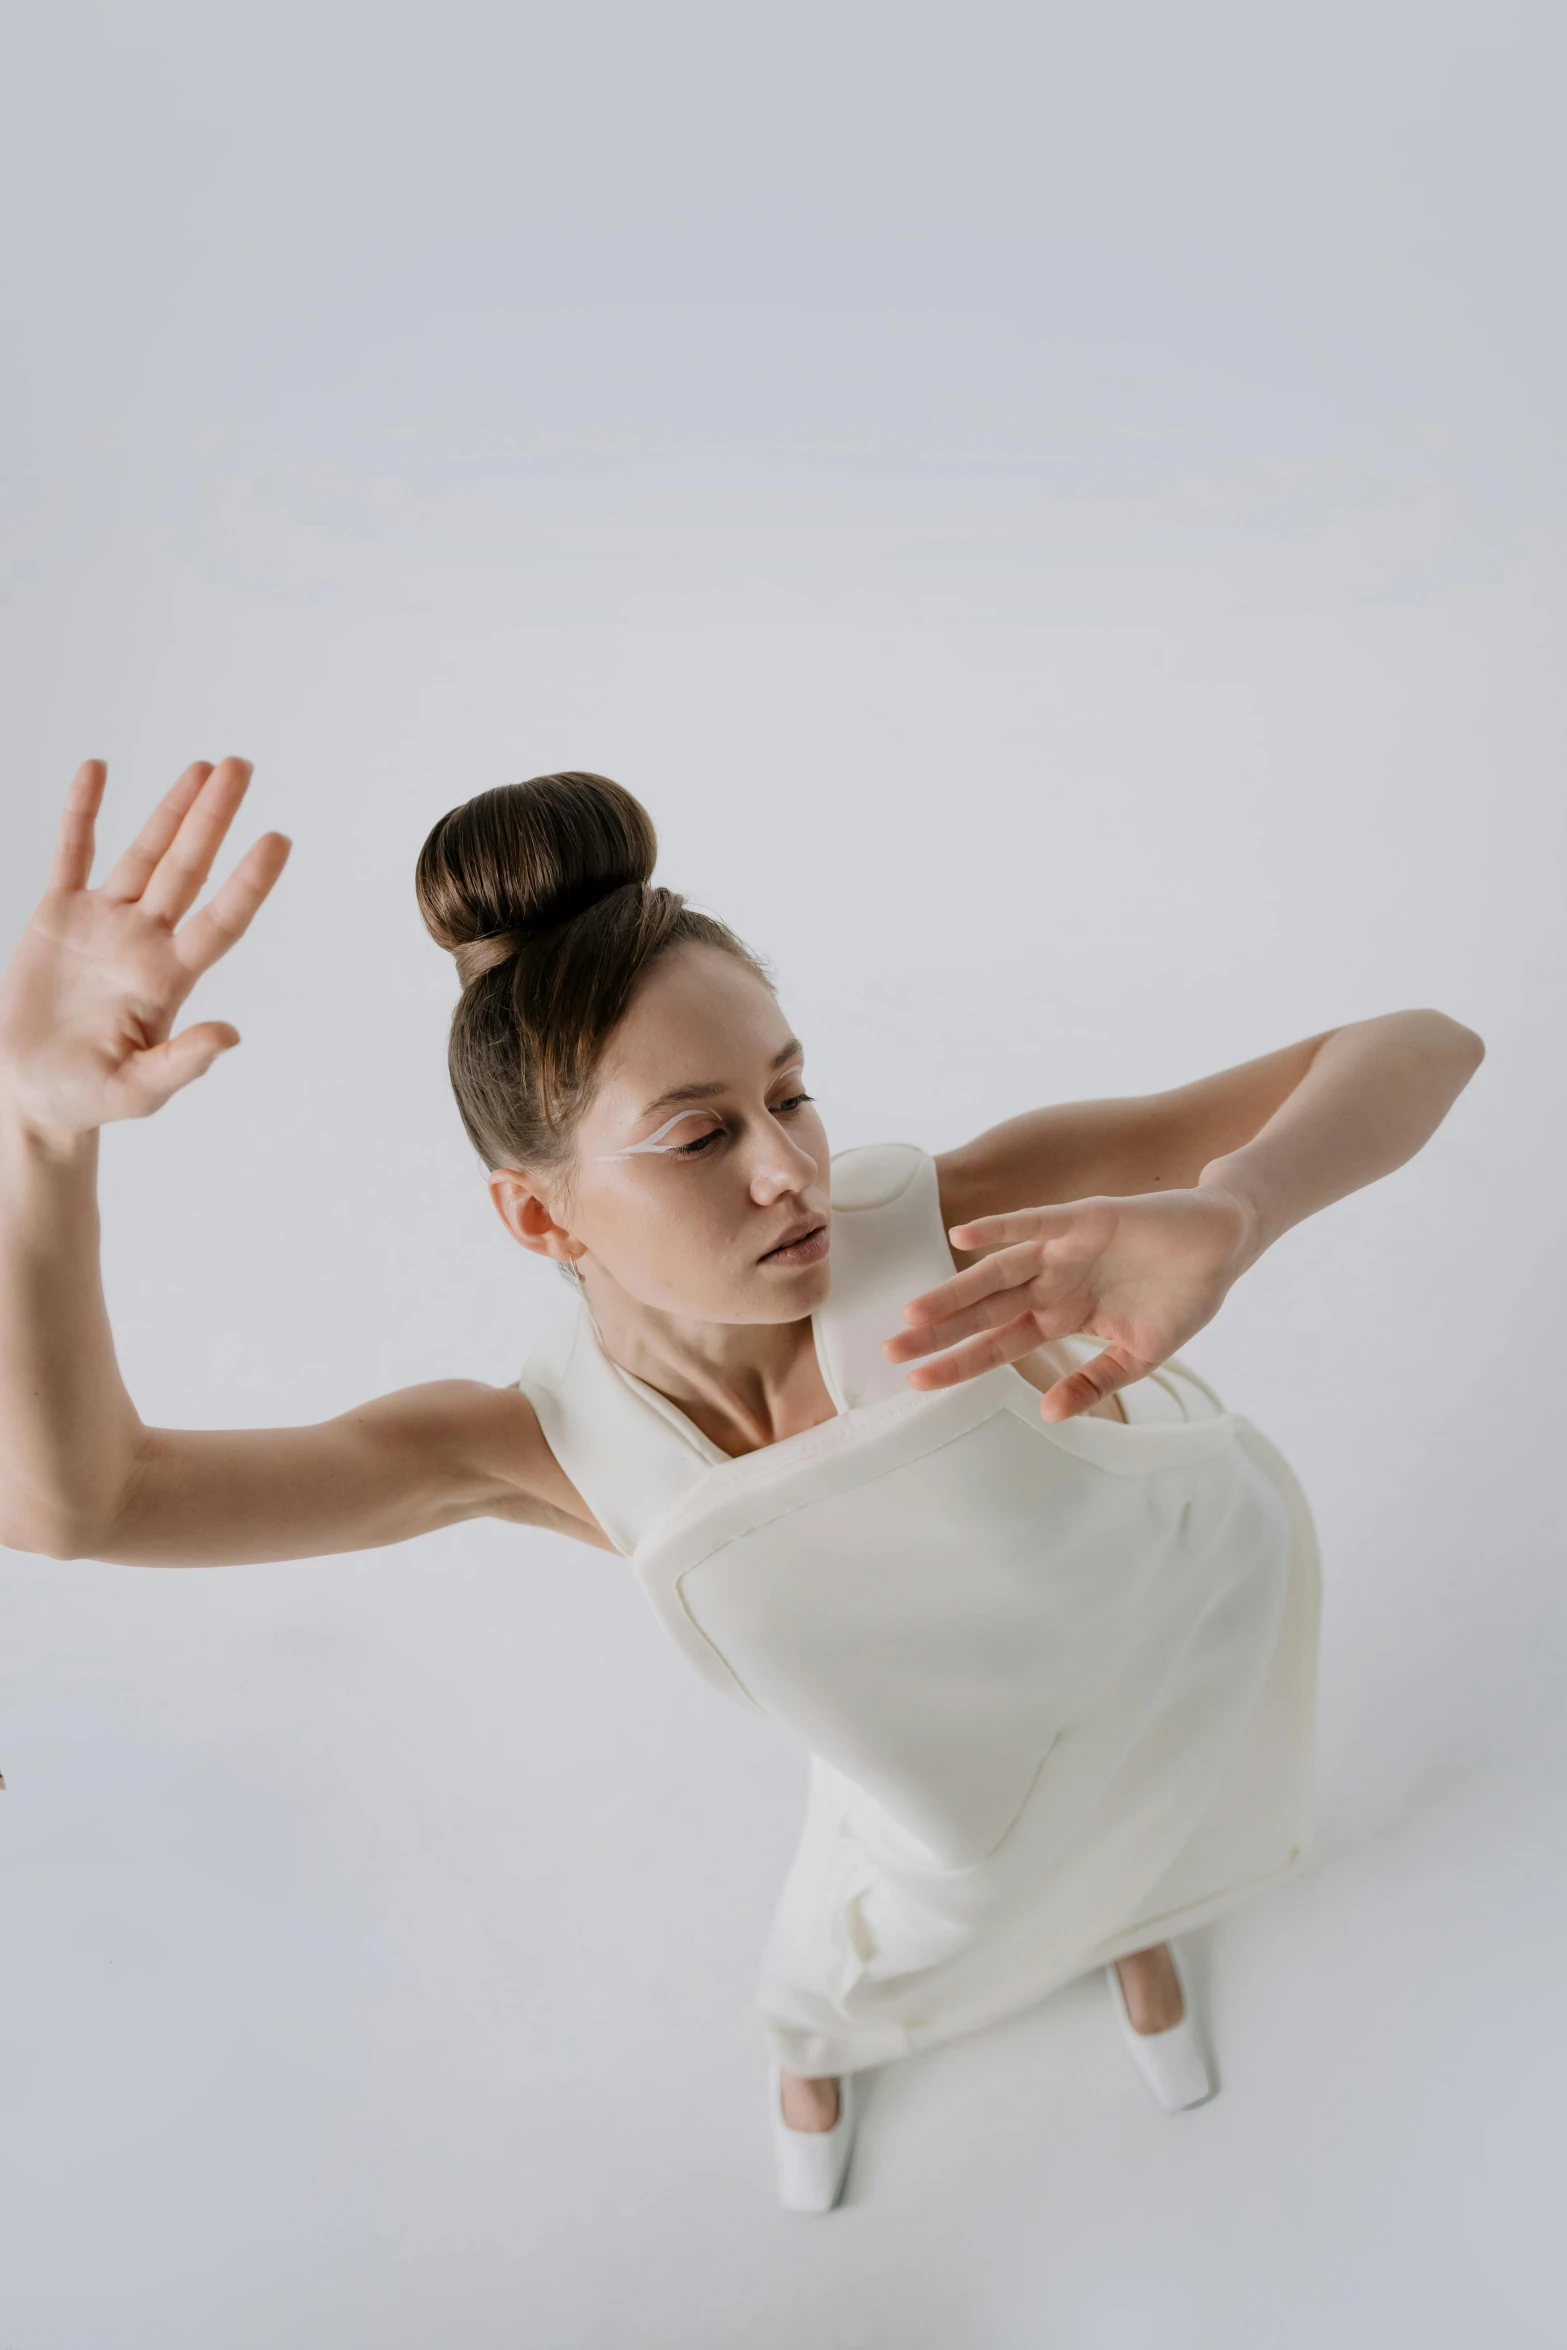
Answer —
(526, 1215)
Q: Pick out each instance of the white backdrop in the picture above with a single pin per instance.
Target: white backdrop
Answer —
(1063, 524)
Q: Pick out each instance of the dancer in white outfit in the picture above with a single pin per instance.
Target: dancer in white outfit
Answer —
(1056, 1679)
(899, 1447)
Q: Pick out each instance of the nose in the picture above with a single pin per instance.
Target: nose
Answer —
(779, 1165)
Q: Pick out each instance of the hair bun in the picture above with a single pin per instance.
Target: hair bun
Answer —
(548, 887)
(528, 857)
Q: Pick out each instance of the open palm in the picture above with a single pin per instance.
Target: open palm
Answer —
(89, 1000)
(1140, 1274)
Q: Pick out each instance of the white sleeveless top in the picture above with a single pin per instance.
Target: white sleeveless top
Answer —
(1048, 1673)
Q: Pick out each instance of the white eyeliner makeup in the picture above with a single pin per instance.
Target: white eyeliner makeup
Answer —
(655, 1142)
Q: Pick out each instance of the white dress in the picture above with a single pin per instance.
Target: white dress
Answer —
(1057, 1681)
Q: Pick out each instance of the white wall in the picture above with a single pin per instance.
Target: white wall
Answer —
(1063, 523)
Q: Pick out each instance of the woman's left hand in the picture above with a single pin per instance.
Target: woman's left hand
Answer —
(1140, 1274)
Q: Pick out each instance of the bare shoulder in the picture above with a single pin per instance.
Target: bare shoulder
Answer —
(390, 1469)
(550, 1498)
(517, 1476)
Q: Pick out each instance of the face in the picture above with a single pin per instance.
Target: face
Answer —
(700, 1179)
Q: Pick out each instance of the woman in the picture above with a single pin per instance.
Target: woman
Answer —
(898, 1446)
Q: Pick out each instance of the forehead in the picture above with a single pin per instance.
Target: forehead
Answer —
(699, 1016)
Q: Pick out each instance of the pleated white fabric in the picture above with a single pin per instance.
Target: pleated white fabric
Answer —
(1057, 1682)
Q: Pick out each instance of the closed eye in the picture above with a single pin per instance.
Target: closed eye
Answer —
(698, 1148)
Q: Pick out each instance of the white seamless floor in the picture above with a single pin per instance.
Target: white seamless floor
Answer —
(325, 2028)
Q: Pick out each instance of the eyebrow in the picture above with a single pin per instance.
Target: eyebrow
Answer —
(792, 1051)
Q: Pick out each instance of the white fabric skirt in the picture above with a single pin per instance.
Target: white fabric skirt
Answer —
(876, 1950)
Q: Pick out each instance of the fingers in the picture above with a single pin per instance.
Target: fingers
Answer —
(978, 1354)
(131, 872)
(1083, 1389)
(177, 877)
(1005, 1270)
(229, 913)
(73, 848)
(987, 1313)
(1017, 1224)
(153, 1076)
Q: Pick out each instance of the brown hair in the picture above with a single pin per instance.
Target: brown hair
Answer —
(542, 893)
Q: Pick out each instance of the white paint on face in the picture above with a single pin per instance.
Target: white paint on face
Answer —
(687, 1235)
(655, 1141)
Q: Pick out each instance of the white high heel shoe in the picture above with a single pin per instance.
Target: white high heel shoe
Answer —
(1172, 2062)
(811, 2164)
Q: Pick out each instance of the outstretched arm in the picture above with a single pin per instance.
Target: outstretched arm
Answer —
(1383, 1084)
(87, 1011)
(1374, 1095)
(1175, 1196)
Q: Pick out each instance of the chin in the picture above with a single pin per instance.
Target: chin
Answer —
(782, 1296)
(785, 1292)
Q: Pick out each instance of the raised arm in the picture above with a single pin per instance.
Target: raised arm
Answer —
(1346, 1106)
(88, 1006)
(1130, 1219)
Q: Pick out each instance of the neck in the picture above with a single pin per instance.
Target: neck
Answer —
(744, 1384)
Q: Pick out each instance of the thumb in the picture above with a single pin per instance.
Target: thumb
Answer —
(164, 1069)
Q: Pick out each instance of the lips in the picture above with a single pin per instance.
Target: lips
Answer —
(801, 1244)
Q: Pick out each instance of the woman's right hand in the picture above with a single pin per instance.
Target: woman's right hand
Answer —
(87, 1014)
(89, 999)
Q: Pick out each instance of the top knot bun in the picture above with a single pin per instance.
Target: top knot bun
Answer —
(543, 892)
(527, 857)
